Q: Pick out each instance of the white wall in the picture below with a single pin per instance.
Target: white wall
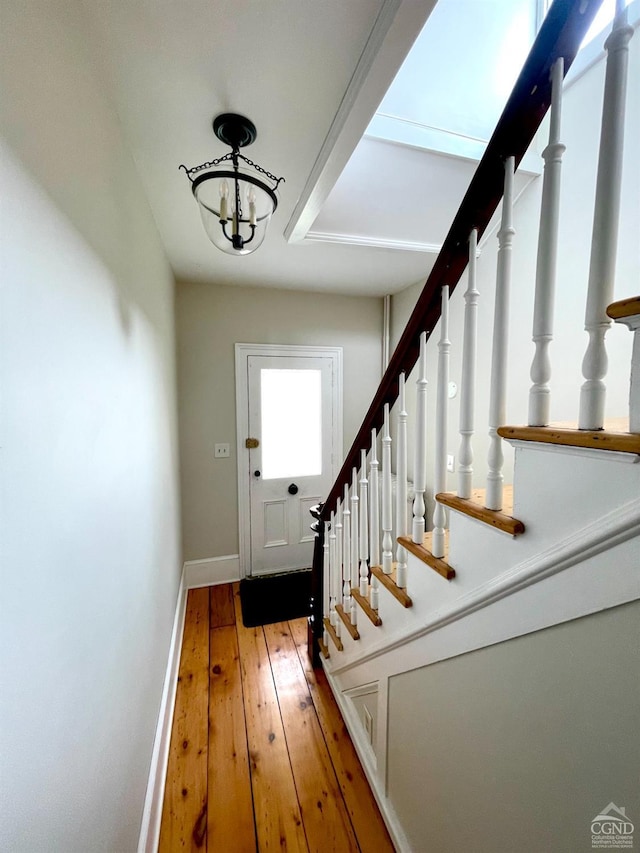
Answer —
(518, 746)
(581, 123)
(90, 516)
(210, 319)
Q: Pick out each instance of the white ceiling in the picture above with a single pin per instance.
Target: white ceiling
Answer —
(288, 65)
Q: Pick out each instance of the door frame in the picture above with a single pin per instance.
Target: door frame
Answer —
(242, 353)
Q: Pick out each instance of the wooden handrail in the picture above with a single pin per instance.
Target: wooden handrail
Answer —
(561, 34)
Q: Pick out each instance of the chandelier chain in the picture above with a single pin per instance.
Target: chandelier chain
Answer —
(211, 163)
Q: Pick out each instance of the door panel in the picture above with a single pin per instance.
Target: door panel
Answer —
(291, 414)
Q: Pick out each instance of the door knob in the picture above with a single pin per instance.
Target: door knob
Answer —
(293, 489)
(256, 473)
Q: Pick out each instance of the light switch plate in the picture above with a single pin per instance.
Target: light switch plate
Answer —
(451, 463)
(221, 451)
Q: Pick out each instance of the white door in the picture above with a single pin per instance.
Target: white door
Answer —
(292, 411)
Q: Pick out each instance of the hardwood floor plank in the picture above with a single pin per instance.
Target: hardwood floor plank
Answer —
(222, 608)
(230, 824)
(365, 816)
(277, 814)
(184, 813)
(326, 821)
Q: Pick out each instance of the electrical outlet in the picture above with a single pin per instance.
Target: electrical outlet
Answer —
(221, 451)
(451, 463)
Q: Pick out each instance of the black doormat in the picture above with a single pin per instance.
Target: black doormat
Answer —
(275, 598)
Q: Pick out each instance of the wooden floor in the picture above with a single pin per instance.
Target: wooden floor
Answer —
(260, 758)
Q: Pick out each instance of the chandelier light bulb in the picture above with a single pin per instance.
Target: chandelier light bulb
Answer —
(224, 192)
(251, 195)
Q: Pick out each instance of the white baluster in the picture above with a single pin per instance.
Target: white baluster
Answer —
(364, 525)
(468, 383)
(497, 398)
(633, 323)
(401, 488)
(539, 393)
(420, 458)
(333, 570)
(604, 239)
(442, 405)
(326, 586)
(346, 553)
(338, 578)
(355, 545)
(387, 518)
(374, 517)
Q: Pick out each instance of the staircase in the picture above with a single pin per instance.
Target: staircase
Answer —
(493, 562)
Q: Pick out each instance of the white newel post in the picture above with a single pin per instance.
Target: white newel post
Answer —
(387, 507)
(339, 569)
(401, 487)
(539, 393)
(468, 379)
(333, 616)
(604, 239)
(355, 545)
(420, 458)
(374, 516)
(442, 404)
(346, 553)
(497, 394)
(326, 587)
(364, 525)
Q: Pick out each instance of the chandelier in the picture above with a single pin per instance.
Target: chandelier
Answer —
(237, 200)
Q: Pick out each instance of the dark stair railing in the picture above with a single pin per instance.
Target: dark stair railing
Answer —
(561, 34)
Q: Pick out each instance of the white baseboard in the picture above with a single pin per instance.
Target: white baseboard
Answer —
(195, 573)
(212, 571)
(152, 812)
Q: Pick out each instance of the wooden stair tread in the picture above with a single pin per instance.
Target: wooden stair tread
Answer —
(368, 609)
(331, 631)
(389, 583)
(474, 507)
(624, 308)
(324, 650)
(423, 553)
(601, 439)
(351, 628)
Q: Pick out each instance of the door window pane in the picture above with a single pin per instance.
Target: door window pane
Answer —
(291, 423)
